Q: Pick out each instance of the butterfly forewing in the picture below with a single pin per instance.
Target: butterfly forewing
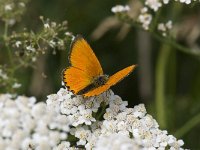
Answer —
(83, 57)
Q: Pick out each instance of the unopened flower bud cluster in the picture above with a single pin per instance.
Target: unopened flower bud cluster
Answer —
(11, 10)
(52, 36)
(6, 81)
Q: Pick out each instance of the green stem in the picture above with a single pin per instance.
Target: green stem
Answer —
(102, 112)
(154, 23)
(6, 43)
(188, 126)
(160, 85)
(176, 45)
(159, 37)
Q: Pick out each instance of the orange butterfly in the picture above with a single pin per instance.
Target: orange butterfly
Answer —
(85, 75)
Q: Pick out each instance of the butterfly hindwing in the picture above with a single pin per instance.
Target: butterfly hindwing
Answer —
(117, 77)
(97, 91)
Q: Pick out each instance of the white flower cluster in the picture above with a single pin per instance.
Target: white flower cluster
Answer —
(156, 4)
(128, 128)
(69, 122)
(145, 16)
(77, 110)
(25, 124)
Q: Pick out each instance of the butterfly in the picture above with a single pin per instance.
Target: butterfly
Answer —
(85, 75)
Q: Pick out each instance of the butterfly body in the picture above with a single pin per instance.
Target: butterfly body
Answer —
(85, 75)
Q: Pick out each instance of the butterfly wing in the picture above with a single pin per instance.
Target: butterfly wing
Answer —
(84, 66)
(83, 57)
(120, 75)
(117, 77)
(75, 79)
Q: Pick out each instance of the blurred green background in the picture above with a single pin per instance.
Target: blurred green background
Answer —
(181, 71)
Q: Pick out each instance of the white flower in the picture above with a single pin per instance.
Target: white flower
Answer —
(8, 7)
(161, 27)
(145, 19)
(109, 127)
(30, 48)
(16, 85)
(34, 59)
(86, 117)
(11, 21)
(22, 4)
(139, 111)
(169, 24)
(61, 42)
(3, 75)
(82, 134)
(18, 43)
(46, 25)
(52, 43)
(63, 146)
(69, 34)
(165, 1)
(53, 24)
(185, 1)
(144, 10)
(165, 27)
(109, 114)
(120, 8)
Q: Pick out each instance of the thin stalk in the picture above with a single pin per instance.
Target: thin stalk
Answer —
(154, 23)
(6, 43)
(159, 37)
(188, 126)
(6, 30)
(176, 45)
(160, 85)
